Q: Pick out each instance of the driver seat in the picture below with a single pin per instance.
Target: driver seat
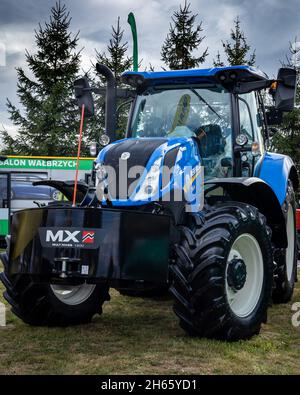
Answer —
(212, 142)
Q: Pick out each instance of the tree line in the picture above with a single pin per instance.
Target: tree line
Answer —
(47, 122)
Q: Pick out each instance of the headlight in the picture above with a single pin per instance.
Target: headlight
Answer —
(150, 184)
(101, 172)
(104, 140)
(93, 148)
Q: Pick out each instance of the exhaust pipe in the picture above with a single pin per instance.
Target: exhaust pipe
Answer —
(111, 100)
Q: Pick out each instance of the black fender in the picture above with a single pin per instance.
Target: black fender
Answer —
(255, 191)
(84, 195)
(293, 176)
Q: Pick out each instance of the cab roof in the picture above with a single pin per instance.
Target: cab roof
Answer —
(212, 72)
(229, 77)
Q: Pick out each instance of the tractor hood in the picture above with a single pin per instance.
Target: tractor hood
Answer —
(136, 171)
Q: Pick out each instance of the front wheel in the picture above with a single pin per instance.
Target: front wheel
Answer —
(222, 274)
(50, 304)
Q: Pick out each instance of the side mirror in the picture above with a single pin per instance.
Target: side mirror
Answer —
(286, 89)
(84, 96)
(274, 117)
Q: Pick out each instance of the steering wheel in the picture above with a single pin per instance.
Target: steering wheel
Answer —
(200, 133)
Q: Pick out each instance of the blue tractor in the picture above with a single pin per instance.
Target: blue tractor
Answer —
(191, 200)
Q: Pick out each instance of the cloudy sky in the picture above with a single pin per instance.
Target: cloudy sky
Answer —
(268, 24)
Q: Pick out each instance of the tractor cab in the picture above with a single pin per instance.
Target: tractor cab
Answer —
(201, 112)
(221, 109)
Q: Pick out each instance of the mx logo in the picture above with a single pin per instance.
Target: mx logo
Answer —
(88, 236)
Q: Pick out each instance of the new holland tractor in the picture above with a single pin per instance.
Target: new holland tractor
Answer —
(190, 200)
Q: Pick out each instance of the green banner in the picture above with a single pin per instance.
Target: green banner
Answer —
(3, 227)
(4, 214)
(45, 163)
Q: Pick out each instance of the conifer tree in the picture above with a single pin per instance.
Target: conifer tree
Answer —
(116, 60)
(183, 39)
(237, 49)
(48, 118)
(218, 62)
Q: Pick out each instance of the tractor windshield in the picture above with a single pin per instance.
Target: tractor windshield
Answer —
(202, 111)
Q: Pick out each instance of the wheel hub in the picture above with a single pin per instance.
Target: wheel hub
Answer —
(236, 274)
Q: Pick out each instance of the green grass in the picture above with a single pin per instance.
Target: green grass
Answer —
(138, 336)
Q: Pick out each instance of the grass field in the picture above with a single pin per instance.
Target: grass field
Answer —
(135, 336)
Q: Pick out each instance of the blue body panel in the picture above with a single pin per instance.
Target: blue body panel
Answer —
(187, 159)
(152, 75)
(275, 170)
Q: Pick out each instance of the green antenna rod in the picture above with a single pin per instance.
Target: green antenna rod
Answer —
(131, 21)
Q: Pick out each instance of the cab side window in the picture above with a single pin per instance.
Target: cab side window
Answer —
(251, 119)
(246, 122)
(251, 126)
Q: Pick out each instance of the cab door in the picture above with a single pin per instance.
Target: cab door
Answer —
(250, 125)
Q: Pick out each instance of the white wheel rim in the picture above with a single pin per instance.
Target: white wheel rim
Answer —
(73, 294)
(289, 254)
(242, 302)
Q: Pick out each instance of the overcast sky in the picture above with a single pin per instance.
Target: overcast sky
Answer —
(268, 24)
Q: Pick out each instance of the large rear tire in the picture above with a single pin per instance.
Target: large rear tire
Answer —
(286, 260)
(222, 273)
(51, 305)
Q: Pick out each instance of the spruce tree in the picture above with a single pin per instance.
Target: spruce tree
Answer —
(287, 139)
(118, 61)
(48, 119)
(218, 62)
(182, 40)
(236, 51)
